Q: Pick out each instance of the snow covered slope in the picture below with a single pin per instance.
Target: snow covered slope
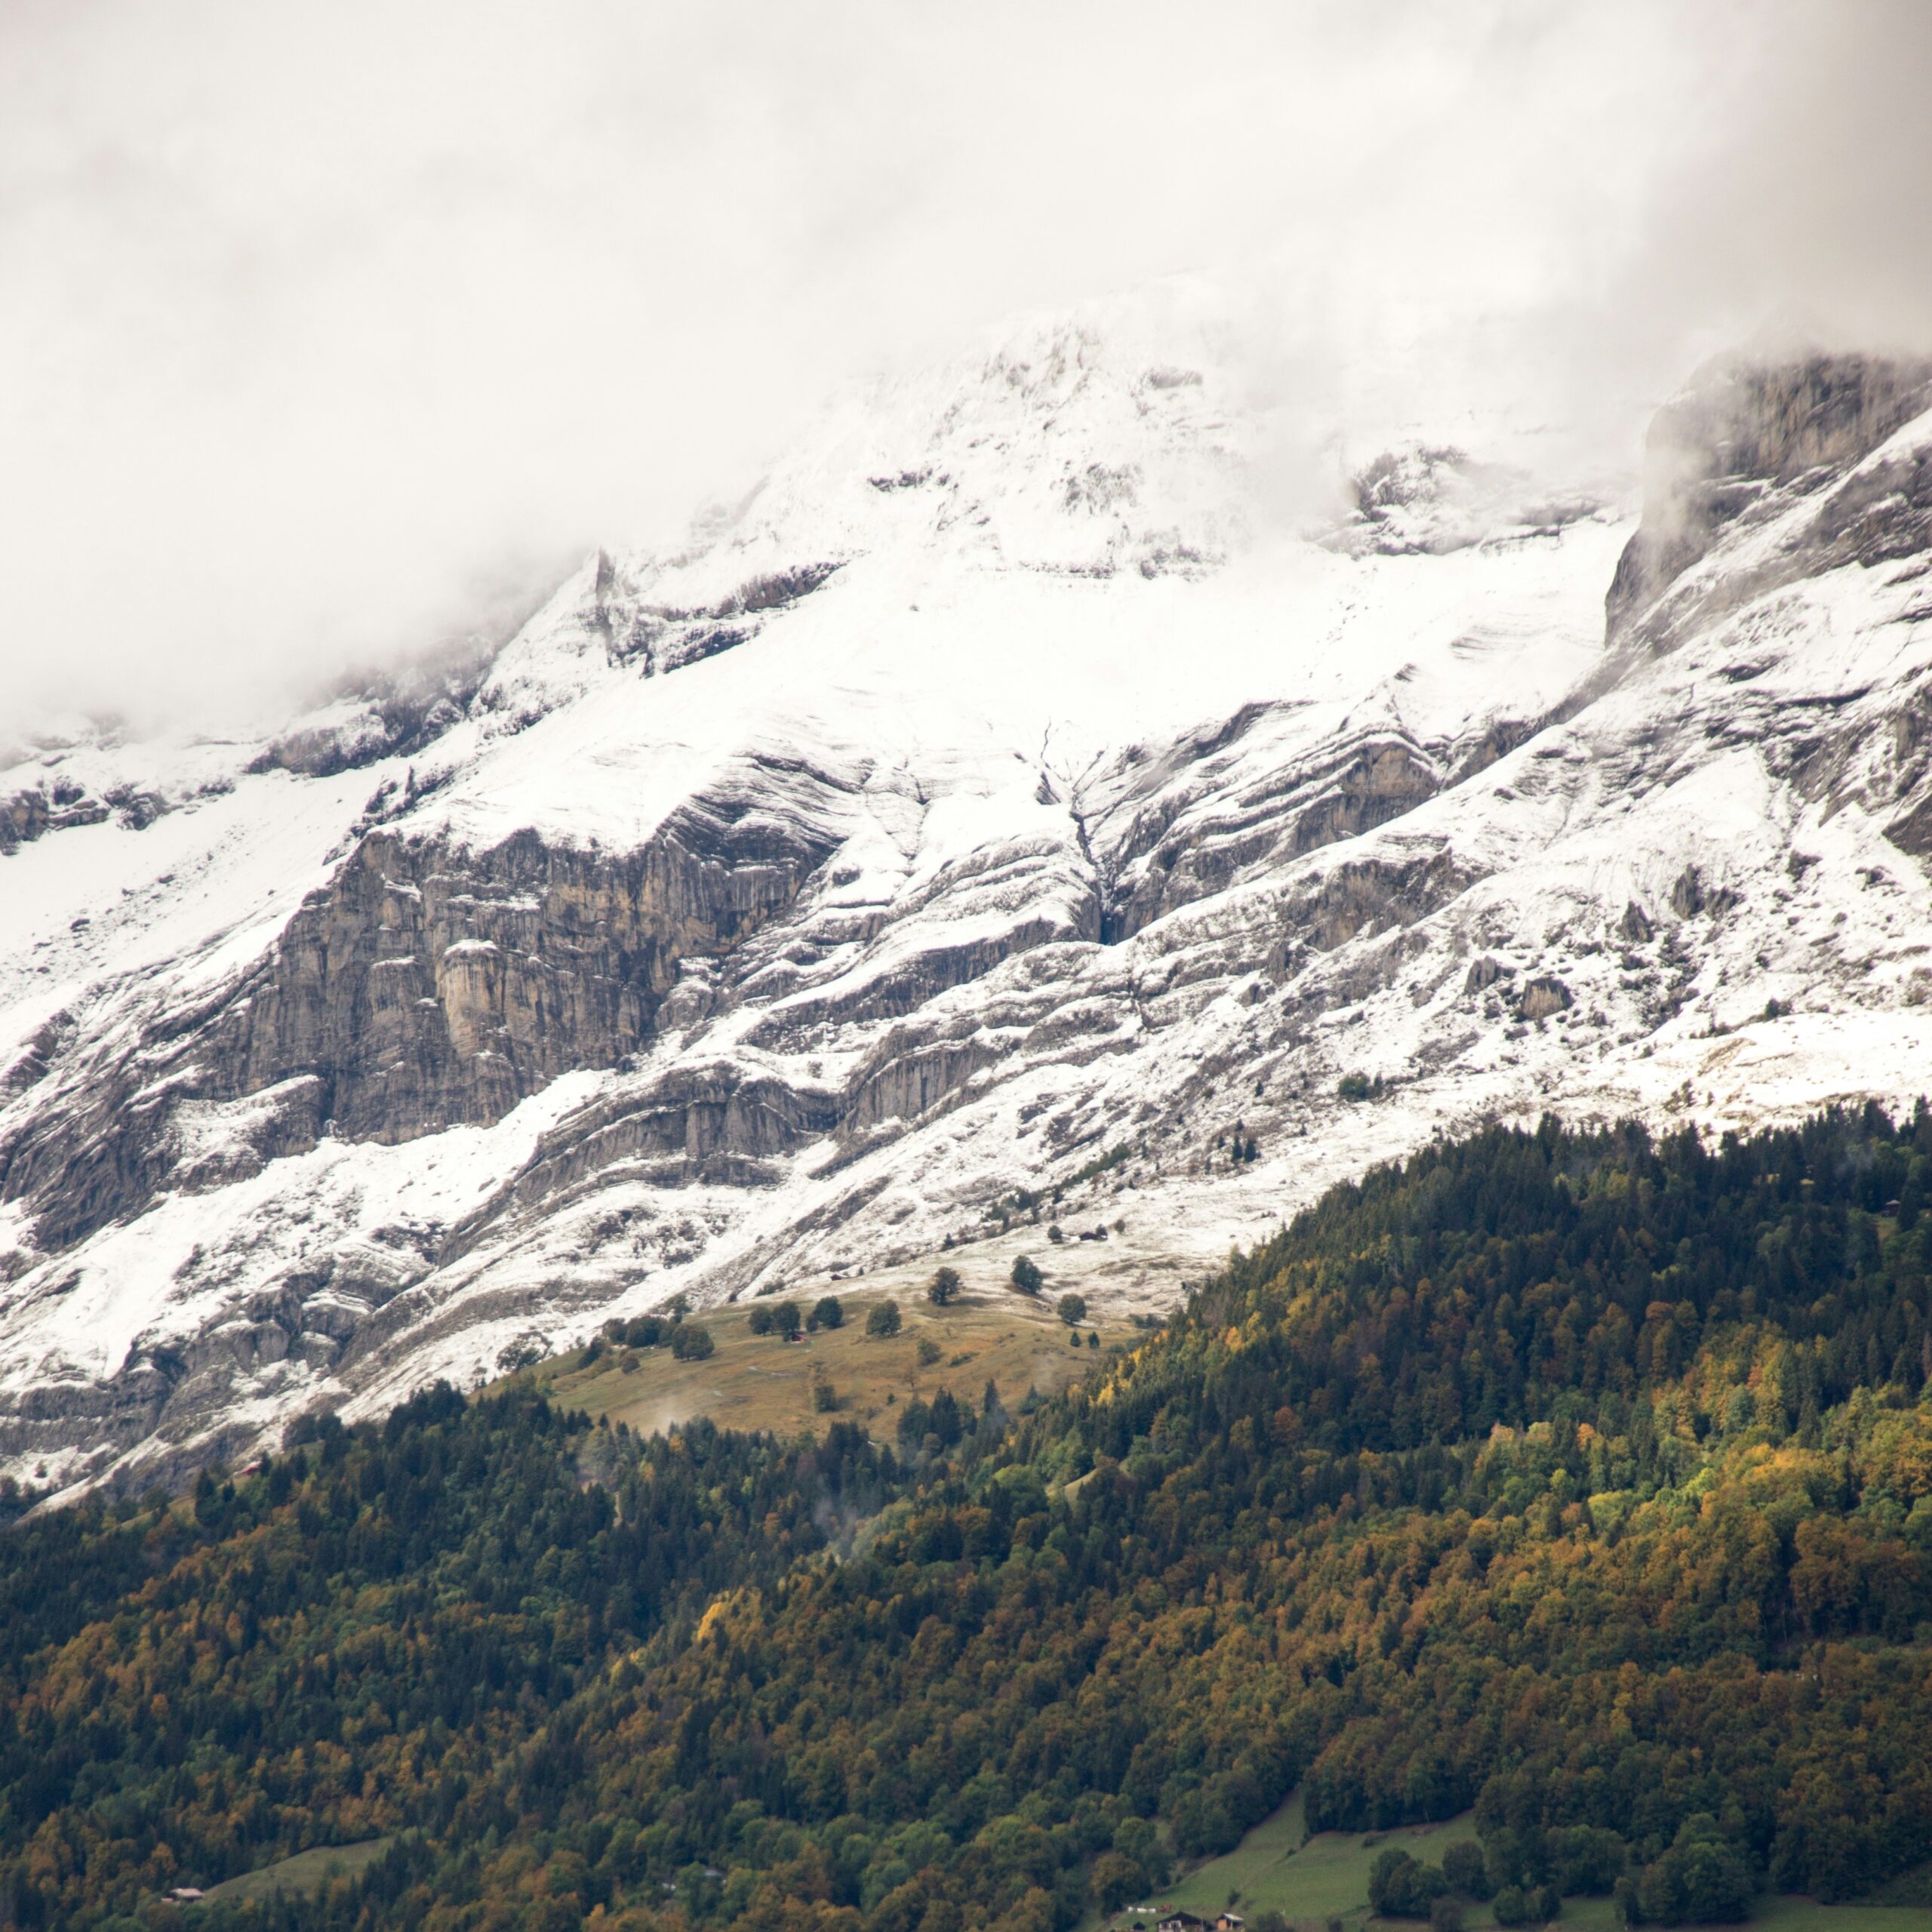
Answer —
(1011, 812)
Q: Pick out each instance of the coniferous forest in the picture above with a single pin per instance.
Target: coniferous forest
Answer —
(1579, 1478)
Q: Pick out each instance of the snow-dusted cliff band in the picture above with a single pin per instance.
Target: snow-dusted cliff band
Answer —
(1012, 794)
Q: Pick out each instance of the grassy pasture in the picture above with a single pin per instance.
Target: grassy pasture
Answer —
(303, 1873)
(1310, 1881)
(761, 1382)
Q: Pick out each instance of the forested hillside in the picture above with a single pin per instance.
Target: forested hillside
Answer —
(1579, 1478)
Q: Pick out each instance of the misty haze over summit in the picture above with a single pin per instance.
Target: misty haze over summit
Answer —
(329, 332)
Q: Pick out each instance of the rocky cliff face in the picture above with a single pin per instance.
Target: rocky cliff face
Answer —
(421, 988)
(1747, 445)
(760, 922)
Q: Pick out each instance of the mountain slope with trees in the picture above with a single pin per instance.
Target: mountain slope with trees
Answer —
(1581, 1479)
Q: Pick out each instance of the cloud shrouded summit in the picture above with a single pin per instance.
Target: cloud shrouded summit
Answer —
(326, 329)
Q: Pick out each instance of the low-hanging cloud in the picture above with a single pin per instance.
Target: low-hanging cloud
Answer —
(324, 328)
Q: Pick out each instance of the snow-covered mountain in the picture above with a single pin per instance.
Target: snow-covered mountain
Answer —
(1020, 805)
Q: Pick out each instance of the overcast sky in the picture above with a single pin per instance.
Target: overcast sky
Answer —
(322, 324)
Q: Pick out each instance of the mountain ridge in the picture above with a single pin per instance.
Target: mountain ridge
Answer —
(1039, 801)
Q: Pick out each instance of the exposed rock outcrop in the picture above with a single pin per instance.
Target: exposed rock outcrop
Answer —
(391, 711)
(1747, 440)
(31, 814)
(424, 987)
(1168, 858)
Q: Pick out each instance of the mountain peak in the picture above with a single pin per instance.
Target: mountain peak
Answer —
(1016, 792)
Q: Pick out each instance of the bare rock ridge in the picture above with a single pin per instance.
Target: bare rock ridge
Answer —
(626, 983)
(29, 814)
(1748, 440)
(387, 713)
